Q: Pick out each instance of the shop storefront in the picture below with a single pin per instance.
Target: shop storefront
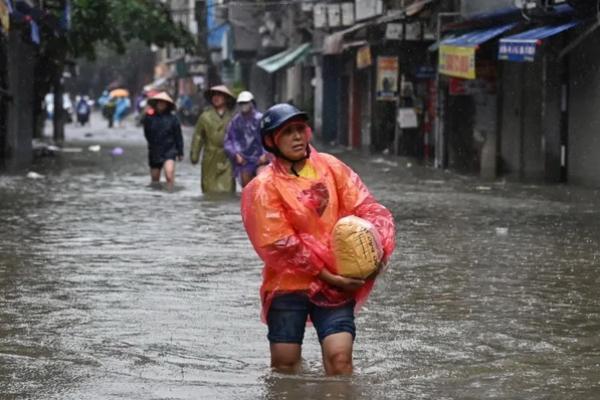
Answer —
(534, 135)
(469, 72)
(377, 73)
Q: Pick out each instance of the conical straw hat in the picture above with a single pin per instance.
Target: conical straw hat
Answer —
(162, 96)
(220, 89)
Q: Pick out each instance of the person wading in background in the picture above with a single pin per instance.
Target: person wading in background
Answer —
(217, 171)
(163, 134)
(242, 142)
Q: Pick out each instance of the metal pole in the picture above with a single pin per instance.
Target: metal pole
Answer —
(58, 118)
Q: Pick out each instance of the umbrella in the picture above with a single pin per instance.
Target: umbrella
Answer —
(119, 93)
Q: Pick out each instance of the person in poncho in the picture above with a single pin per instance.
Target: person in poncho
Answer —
(209, 135)
(163, 134)
(289, 211)
(243, 143)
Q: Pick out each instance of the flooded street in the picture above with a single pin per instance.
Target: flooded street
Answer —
(111, 289)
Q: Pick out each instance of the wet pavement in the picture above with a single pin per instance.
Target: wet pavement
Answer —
(112, 289)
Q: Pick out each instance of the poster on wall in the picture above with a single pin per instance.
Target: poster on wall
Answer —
(363, 57)
(387, 78)
(4, 15)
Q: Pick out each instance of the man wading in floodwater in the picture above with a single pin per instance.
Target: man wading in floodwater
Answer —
(163, 134)
(289, 211)
(209, 135)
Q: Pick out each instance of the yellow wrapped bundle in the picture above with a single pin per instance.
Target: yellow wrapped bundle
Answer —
(356, 247)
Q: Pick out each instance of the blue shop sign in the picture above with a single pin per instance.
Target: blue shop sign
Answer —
(518, 52)
(523, 46)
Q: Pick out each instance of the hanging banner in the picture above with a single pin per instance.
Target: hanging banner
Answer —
(387, 78)
(407, 118)
(4, 15)
(363, 57)
(458, 62)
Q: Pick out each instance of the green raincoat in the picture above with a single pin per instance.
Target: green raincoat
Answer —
(217, 171)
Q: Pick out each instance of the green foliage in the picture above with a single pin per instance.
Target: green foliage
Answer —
(114, 23)
(102, 24)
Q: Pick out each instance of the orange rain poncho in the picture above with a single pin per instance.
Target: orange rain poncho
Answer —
(289, 221)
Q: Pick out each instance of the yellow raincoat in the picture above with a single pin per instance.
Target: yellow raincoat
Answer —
(217, 171)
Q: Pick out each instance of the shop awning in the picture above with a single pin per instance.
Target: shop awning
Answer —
(285, 58)
(522, 46)
(435, 46)
(457, 54)
(334, 43)
(477, 37)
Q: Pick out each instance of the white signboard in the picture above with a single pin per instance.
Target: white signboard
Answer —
(307, 7)
(334, 15)
(368, 8)
(347, 14)
(320, 15)
(393, 31)
(413, 31)
(407, 118)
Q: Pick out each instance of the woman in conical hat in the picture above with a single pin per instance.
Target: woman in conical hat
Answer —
(217, 171)
(165, 141)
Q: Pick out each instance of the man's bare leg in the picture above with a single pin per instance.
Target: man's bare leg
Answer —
(286, 357)
(169, 167)
(337, 354)
(246, 177)
(155, 175)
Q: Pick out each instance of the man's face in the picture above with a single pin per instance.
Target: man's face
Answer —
(218, 100)
(245, 107)
(161, 106)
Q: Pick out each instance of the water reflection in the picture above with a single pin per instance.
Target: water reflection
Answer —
(290, 387)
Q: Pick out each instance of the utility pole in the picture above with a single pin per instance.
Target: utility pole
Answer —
(202, 44)
(58, 120)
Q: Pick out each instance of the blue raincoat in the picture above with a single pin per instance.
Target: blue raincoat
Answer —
(243, 137)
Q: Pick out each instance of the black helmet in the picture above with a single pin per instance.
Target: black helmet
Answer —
(273, 119)
(278, 115)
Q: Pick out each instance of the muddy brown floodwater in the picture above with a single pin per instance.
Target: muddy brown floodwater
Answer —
(110, 289)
